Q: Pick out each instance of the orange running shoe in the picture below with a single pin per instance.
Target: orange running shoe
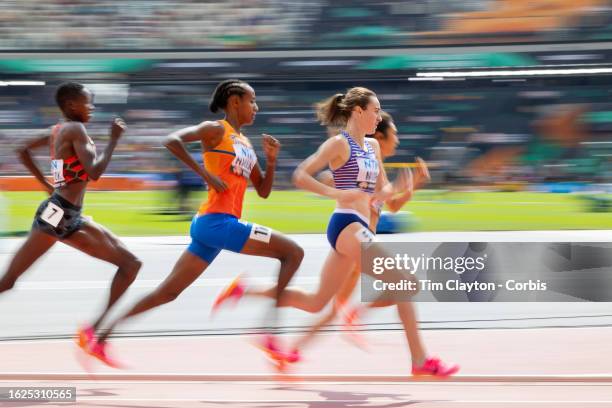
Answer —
(233, 291)
(86, 337)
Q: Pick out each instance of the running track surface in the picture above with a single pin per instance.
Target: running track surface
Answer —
(542, 355)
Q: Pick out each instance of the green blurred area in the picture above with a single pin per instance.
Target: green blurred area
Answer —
(142, 213)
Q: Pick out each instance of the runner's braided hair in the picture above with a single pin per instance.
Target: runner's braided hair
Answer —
(223, 91)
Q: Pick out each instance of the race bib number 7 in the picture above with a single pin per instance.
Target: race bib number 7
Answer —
(52, 215)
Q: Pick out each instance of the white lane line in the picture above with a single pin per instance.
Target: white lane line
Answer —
(209, 377)
(153, 283)
(327, 401)
(438, 384)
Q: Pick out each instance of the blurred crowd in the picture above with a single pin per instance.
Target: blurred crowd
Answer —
(247, 24)
(93, 24)
(471, 135)
(473, 132)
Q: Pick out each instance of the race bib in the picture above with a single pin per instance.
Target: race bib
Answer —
(365, 235)
(244, 161)
(57, 171)
(368, 172)
(261, 233)
(52, 215)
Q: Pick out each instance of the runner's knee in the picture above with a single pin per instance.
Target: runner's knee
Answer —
(127, 262)
(7, 284)
(316, 305)
(294, 255)
(297, 254)
(168, 296)
(132, 267)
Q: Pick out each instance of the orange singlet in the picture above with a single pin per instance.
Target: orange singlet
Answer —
(232, 161)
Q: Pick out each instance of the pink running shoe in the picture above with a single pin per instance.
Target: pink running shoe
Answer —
(99, 351)
(85, 337)
(269, 345)
(435, 367)
(351, 320)
(234, 291)
(351, 317)
(293, 356)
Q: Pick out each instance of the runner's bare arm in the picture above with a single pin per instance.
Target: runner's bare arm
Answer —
(263, 184)
(409, 184)
(402, 188)
(85, 150)
(24, 153)
(404, 179)
(303, 175)
(209, 133)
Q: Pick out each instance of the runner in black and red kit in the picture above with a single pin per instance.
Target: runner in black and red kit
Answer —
(74, 162)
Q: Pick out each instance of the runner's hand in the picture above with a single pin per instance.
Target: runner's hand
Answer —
(117, 128)
(271, 147)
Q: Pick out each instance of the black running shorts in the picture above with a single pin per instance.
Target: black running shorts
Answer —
(58, 217)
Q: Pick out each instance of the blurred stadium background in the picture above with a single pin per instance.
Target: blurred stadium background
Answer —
(507, 100)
